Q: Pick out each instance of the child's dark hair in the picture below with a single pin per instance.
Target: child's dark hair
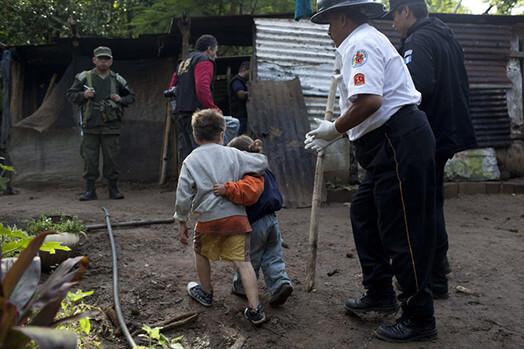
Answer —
(245, 143)
(207, 125)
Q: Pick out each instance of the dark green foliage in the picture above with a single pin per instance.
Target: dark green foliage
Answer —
(28, 310)
(35, 22)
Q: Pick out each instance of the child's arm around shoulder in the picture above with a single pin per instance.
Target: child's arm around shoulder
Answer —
(252, 163)
(245, 192)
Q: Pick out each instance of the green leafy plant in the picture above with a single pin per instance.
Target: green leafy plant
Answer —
(28, 310)
(54, 221)
(14, 240)
(73, 305)
(158, 340)
(3, 168)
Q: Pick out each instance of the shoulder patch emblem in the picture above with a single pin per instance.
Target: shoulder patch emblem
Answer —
(407, 56)
(359, 79)
(359, 58)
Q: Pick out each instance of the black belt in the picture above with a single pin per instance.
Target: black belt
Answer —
(406, 108)
(374, 135)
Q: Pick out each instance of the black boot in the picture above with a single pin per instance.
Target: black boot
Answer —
(365, 303)
(113, 190)
(90, 194)
(408, 329)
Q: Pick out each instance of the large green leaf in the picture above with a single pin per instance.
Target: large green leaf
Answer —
(47, 338)
(22, 263)
(49, 294)
(7, 318)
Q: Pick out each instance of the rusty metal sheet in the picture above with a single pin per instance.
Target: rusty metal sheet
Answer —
(278, 116)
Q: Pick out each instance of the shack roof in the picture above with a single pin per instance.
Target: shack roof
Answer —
(229, 31)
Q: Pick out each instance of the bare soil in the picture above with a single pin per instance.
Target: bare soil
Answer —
(486, 255)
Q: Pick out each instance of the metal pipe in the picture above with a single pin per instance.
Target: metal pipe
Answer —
(131, 223)
(118, 310)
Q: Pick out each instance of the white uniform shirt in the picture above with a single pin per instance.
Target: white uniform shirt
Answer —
(369, 64)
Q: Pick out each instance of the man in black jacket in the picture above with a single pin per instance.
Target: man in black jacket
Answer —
(194, 80)
(435, 61)
(238, 94)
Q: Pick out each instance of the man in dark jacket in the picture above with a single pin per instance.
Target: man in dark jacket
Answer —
(194, 80)
(238, 96)
(435, 61)
(101, 95)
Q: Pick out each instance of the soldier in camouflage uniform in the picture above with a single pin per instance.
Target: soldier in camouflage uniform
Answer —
(101, 95)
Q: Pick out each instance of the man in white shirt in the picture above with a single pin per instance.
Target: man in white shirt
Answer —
(393, 212)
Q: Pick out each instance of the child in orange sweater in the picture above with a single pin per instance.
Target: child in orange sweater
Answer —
(265, 237)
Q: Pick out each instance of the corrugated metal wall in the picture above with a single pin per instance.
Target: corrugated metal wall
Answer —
(490, 117)
(286, 49)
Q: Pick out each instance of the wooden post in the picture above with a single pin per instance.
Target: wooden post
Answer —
(183, 25)
(317, 191)
(165, 143)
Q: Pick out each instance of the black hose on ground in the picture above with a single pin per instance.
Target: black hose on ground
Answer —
(118, 310)
(131, 223)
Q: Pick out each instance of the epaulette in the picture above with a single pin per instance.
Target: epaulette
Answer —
(119, 78)
(81, 76)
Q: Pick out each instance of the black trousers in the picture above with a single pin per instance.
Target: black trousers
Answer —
(186, 142)
(393, 211)
(438, 275)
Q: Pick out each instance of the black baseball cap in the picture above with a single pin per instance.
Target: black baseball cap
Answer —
(394, 4)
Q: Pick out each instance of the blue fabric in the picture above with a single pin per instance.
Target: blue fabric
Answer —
(303, 9)
(237, 85)
(269, 202)
(232, 127)
(266, 253)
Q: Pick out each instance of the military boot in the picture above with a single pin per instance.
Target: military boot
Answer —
(90, 193)
(113, 190)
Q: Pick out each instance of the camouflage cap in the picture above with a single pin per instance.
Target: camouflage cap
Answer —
(102, 51)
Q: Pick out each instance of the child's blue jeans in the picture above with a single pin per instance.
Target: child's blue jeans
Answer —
(266, 253)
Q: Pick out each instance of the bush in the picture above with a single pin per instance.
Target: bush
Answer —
(14, 240)
(54, 221)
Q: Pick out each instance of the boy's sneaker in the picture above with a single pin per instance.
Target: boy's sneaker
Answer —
(256, 316)
(197, 293)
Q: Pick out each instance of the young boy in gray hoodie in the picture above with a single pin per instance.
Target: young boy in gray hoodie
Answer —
(222, 228)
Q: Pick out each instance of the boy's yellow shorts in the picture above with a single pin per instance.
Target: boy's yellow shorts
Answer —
(224, 247)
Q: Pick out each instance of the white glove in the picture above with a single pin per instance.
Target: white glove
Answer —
(319, 144)
(326, 131)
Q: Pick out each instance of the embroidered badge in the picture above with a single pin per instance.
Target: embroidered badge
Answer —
(359, 79)
(359, 58)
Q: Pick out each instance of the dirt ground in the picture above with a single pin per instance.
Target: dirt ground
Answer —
(486, 255)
